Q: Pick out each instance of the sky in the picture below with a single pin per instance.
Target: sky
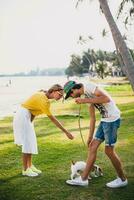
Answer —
(45, 33)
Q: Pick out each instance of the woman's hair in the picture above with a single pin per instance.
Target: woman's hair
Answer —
(55, 87)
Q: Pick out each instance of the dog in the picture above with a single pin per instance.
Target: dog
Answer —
(78, 167)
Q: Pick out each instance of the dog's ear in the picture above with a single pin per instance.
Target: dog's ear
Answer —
(73, 162)
(100, 170)
(94, 167)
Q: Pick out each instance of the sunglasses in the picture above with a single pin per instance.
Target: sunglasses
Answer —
(61, 94)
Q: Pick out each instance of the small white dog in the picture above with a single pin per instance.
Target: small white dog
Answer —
(78, 167)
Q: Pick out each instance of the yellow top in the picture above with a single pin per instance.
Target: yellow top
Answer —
(38, 104)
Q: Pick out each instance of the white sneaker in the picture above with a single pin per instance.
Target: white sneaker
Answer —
(77, 181)
(34, 169)
(29, 172)
(117, 183)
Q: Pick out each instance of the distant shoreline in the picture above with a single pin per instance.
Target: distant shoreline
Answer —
(30, 75)
(37, 72)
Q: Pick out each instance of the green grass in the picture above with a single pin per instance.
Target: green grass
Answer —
(56, 153)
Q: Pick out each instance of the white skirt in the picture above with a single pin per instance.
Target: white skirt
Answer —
(24, 133)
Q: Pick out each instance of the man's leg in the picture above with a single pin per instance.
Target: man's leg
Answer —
(91, 158)
(110, 152)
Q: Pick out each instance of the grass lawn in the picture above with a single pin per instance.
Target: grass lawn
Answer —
(56, 153)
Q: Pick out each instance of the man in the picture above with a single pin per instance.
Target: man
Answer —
(107, 129)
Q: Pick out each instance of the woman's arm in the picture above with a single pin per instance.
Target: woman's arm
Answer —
(59, 125)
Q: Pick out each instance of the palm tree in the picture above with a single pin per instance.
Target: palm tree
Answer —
(129, 15)
(101, 68)
(104, 34)
(89, 55)
(119, 42)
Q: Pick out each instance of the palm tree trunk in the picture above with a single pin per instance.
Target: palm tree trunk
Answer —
(120, 59)
(120, 43)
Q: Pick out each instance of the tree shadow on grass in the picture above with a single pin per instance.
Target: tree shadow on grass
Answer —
(51, 185)
(6, 130)
(6, 180)
(49, 133)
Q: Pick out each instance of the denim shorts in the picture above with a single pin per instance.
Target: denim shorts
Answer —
(108, 131)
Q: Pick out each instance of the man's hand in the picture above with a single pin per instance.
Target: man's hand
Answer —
(79, 100)
(69, 135)
(89, 140)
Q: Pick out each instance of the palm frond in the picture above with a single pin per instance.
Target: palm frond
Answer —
(104, 32)
(78, 2)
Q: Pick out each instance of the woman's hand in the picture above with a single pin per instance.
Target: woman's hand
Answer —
(59, 125)
(69, 135)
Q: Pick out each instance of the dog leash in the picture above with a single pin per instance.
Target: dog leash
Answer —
(79, 123)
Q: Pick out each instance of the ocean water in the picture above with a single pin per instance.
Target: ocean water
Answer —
(14, 90)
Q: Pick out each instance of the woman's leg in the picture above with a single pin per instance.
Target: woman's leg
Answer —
(29, 146)
(27, 160)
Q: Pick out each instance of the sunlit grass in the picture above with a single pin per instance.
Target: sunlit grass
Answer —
(56, 153)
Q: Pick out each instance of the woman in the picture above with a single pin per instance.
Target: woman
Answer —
(24, 133)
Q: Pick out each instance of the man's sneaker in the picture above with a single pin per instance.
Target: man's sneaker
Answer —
(29, 172)
(117, 183)
(77, 181)
(34, 169)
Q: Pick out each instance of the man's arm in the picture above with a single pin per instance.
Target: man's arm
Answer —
(92, 123)
(59, 125)
(100, 97)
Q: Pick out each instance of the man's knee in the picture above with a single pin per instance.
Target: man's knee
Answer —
(109, 151)
(93, 147)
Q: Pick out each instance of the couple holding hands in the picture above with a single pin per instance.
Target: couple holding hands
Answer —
(96, 98)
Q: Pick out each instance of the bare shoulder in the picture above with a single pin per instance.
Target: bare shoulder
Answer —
(100, 92)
